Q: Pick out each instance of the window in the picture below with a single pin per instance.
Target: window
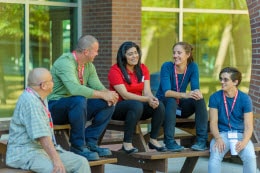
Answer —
(219, 32)
(33, 34)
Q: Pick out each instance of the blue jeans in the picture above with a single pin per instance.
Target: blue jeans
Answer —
(76, 111)
(131, 111)
(188, 107)
(247, 155)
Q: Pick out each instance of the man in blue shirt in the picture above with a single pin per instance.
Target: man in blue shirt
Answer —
(231, 118)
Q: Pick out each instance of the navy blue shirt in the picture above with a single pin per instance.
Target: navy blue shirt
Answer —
(243, 105)
(168, 81)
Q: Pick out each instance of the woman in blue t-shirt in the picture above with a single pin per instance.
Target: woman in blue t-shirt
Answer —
(175, 77)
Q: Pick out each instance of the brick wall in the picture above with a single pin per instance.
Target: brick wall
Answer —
(254, 90)
(112, 22)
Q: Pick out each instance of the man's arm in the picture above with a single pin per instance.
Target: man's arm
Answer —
(248, 122)
(48, 146)
(213, 117)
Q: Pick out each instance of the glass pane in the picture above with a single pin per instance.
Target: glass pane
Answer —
(217, 43)
(11, 56)
(159, 32)
(58, 0)
(156, 3)
(50, 34)
(219, 4)
(219, 40)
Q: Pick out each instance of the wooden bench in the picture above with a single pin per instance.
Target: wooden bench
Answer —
(62, 132)
(97, 166)
(140, 140)
(151, 161)
(62, 137)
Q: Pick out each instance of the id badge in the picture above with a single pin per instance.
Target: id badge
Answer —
(178, 111)
(232, 134)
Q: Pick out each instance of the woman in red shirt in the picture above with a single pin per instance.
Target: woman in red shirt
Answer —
(131, 80)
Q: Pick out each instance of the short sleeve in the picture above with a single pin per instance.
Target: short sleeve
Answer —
(145, 71)
(115, 76)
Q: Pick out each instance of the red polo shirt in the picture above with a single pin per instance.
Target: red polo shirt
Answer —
(115, 77)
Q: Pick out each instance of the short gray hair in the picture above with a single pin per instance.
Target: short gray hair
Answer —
(36, 76)
(85, 42)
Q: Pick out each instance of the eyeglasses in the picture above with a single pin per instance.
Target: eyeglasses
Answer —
(224, 79)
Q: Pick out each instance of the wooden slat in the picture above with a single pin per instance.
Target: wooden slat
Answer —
(148, 121)
(10, 170)
(102, 161)
(164, 155)
(184, 153)
(256, 115)
(147, 165)
(61, 127)
(257, 146)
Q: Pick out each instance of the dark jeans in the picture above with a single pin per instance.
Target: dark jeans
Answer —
(76, 110)
(188, 107)
(131, 111)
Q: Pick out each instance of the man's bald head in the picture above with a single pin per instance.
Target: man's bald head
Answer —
(37, 76)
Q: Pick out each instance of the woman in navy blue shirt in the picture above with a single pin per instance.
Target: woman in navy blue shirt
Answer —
(175, 76)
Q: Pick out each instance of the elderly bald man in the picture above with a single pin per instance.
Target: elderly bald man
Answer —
(31, 143)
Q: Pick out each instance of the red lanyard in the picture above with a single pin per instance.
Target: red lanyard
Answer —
(45, 108)
(176, 80)
(47, 112)
(80, 69)
(232, 107)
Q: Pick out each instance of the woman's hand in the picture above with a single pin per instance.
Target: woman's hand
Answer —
(153, 102)
(195, 94)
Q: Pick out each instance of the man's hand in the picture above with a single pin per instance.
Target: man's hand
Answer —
(58, 166)
(49, 148)
(220, 145)
(111, 97)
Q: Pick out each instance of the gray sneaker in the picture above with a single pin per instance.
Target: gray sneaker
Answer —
(84, 151)
(102, 152)
(199, 146)
(173, 146)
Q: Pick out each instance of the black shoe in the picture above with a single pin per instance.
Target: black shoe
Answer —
(131, 151)
(160, 149)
